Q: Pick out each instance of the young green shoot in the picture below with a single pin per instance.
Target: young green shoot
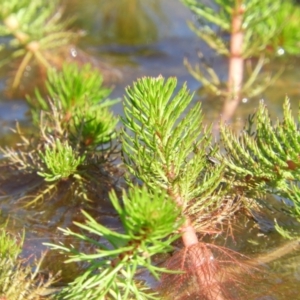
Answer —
(150, 222)
(60, 160)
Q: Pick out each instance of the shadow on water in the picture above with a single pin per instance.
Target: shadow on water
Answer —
(141, 38)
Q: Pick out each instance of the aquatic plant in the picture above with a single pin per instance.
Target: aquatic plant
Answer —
(94, 126)
(257, 29)
(163, 145)
(264, 157)
(182, 194)
(75, 133)
(32, 29)
(190, 189)
(75, 88)
(149, 222)
(166, 147)
(60, 161)
(18, 279)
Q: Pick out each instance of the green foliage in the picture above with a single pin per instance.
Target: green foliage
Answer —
(75, 87)
(165, 146)
(293, 194)
(264, 158)
(78, 99)
(75, 132)
(75, 111)
(18, 281)
(149, 220)
(33, 28)
(93, 126)
(269, 28)
(17, 15)
(257, 23)
(288, 40)
(60, 160)
(168, 152)
(10, 247)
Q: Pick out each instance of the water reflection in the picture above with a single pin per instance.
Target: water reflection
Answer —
(127, 22)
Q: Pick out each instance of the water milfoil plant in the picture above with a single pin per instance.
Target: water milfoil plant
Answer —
(181, 196)
(75, 134)
(150, 224)
(32, 43)
(264, 157)
(257, 29)
(164, 145)
(60, 161)
(190, 190)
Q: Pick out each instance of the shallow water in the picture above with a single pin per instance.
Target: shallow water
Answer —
(156, 47)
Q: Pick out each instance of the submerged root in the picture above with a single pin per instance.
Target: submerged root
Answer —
(208, 273)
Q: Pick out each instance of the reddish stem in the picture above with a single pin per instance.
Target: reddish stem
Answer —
(190, 240)
(189, 236)
(236, 62)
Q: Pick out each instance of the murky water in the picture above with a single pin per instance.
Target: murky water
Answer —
(150, 39)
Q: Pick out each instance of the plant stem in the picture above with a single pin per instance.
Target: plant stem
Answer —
(189, 236)
(197, 256)
(25, 61)
(236, 62)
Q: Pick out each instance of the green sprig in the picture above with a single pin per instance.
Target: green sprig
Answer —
(165, 146)
(60, 160)
(75, 88)
(149, 222)
(264, 158)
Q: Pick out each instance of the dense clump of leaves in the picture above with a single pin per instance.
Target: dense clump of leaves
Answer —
(93, 125)
(74, 87)
(264, 157)
(60, 161)
(149, 221)
(264, 154)
(83, 106)
(165, 146)
(75, 131)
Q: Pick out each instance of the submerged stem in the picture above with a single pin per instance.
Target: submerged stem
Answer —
(236, 62)
(25, 61)
(197, 259)
(189, 236)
